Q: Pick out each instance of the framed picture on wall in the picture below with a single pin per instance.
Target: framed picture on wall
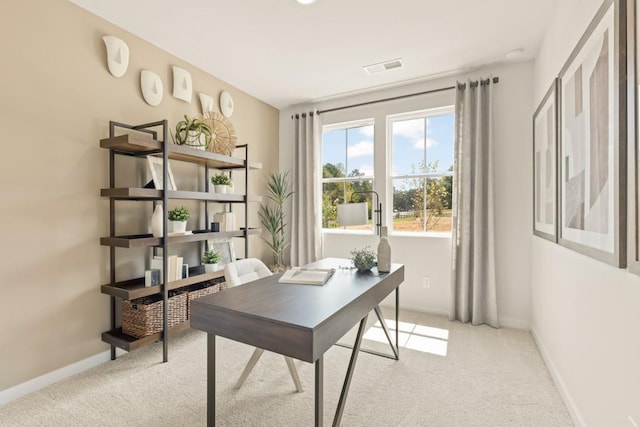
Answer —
(592, 139)
(545, 171)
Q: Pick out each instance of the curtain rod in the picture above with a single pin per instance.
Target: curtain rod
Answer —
(394, 98)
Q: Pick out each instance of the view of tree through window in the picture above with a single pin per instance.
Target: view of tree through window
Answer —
(347, 168)
(422, 171)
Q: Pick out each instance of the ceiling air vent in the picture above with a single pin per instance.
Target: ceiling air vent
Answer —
(383, 66)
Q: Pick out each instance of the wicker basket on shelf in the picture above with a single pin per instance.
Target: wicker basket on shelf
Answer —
(143, 316)
(201, 290)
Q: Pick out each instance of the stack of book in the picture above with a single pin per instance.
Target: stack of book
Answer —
(174, 265)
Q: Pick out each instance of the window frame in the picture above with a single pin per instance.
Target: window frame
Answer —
(346, 126)
(390, 177)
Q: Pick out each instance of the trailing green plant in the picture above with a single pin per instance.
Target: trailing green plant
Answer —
(195, 125)
(220, 179)
(210, 257)
(179, 214)
(363, 259)
(273, 216)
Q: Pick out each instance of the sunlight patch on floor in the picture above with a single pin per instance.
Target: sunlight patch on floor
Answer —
(422, 338)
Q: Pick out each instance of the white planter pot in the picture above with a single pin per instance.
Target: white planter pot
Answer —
(210, 268)
(222, 189)
(196, 140)
(178, 226)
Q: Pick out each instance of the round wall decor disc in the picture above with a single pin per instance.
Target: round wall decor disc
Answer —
(223, 135)
(226, 104)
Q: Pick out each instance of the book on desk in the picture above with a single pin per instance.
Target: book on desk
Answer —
(307, 276)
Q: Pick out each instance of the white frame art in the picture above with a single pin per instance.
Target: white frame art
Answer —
(592, 140)
(224, 248)
(155, 165)
(545, 170)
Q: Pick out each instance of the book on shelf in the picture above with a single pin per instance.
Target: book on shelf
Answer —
(174, 267)
(307, 276)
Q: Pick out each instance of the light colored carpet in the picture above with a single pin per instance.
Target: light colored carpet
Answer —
(488, 377)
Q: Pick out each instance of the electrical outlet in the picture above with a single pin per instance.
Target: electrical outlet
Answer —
(633, 423)
(426, 282)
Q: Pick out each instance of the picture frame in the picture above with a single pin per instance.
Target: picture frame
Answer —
(224, 248)
(592, 140)
(545, 166)
(633, 147)
(157, 174)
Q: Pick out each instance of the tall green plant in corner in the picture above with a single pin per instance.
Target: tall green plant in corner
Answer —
(272, 216)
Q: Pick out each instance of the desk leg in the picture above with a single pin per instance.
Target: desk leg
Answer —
(347, 380)
(319, 391)
(211, 380)
(397, 322)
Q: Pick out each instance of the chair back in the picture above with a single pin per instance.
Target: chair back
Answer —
(244, 270)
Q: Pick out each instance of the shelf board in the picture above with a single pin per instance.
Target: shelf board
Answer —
(132, 289)
(139, 145)
(147, 240)
(129, 343)
(131, 144)
(134, 193)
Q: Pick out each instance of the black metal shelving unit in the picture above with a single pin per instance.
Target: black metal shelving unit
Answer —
(151, 139)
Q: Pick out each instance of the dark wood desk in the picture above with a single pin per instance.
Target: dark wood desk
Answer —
(300, 321)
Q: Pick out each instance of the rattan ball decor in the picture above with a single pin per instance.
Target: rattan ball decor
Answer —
(223, 135)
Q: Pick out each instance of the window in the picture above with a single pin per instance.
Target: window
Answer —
(347, 167)
(422, 170)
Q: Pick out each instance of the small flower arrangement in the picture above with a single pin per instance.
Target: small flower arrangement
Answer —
(179, 214)
(363, 259)
(210, 257)
(220, 179)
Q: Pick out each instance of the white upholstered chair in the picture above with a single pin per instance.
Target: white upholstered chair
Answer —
(240, 272)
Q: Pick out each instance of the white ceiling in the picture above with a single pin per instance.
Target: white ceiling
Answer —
(285, 53)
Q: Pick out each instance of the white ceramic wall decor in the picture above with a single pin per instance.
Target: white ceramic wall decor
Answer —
(226, 104)
(207, 103)
(117, 55)
(151, 86)
(182, 87)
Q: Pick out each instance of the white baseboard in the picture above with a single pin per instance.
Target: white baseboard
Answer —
(52, 377)
(576, 416)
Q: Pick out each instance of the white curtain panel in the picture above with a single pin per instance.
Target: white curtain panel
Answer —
(473, 288)
(306, 241)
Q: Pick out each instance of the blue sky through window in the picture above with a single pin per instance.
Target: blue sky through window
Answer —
(409, 144)
(352, 147)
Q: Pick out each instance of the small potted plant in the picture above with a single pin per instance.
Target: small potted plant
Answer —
(193, 132)
(222, 183)
(210, 260)
(363, 259)
(178, 217)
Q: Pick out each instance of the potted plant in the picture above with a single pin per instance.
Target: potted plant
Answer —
(193, 132)
(210, 260)
(222, 183)
(178, 217)
(272, 216)
(363, 259)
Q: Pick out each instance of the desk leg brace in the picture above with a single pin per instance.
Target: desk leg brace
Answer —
(347, 380)
(211, 380)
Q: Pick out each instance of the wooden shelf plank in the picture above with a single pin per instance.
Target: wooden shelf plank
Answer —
(138, 145)
(147, 240)
(132, 289)
(129, 343)
(131, 144)
(134, 193)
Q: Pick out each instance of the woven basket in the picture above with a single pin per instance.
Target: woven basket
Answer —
(203, 289)
(143, 316)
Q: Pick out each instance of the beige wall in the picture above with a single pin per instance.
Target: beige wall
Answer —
(56, 98)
